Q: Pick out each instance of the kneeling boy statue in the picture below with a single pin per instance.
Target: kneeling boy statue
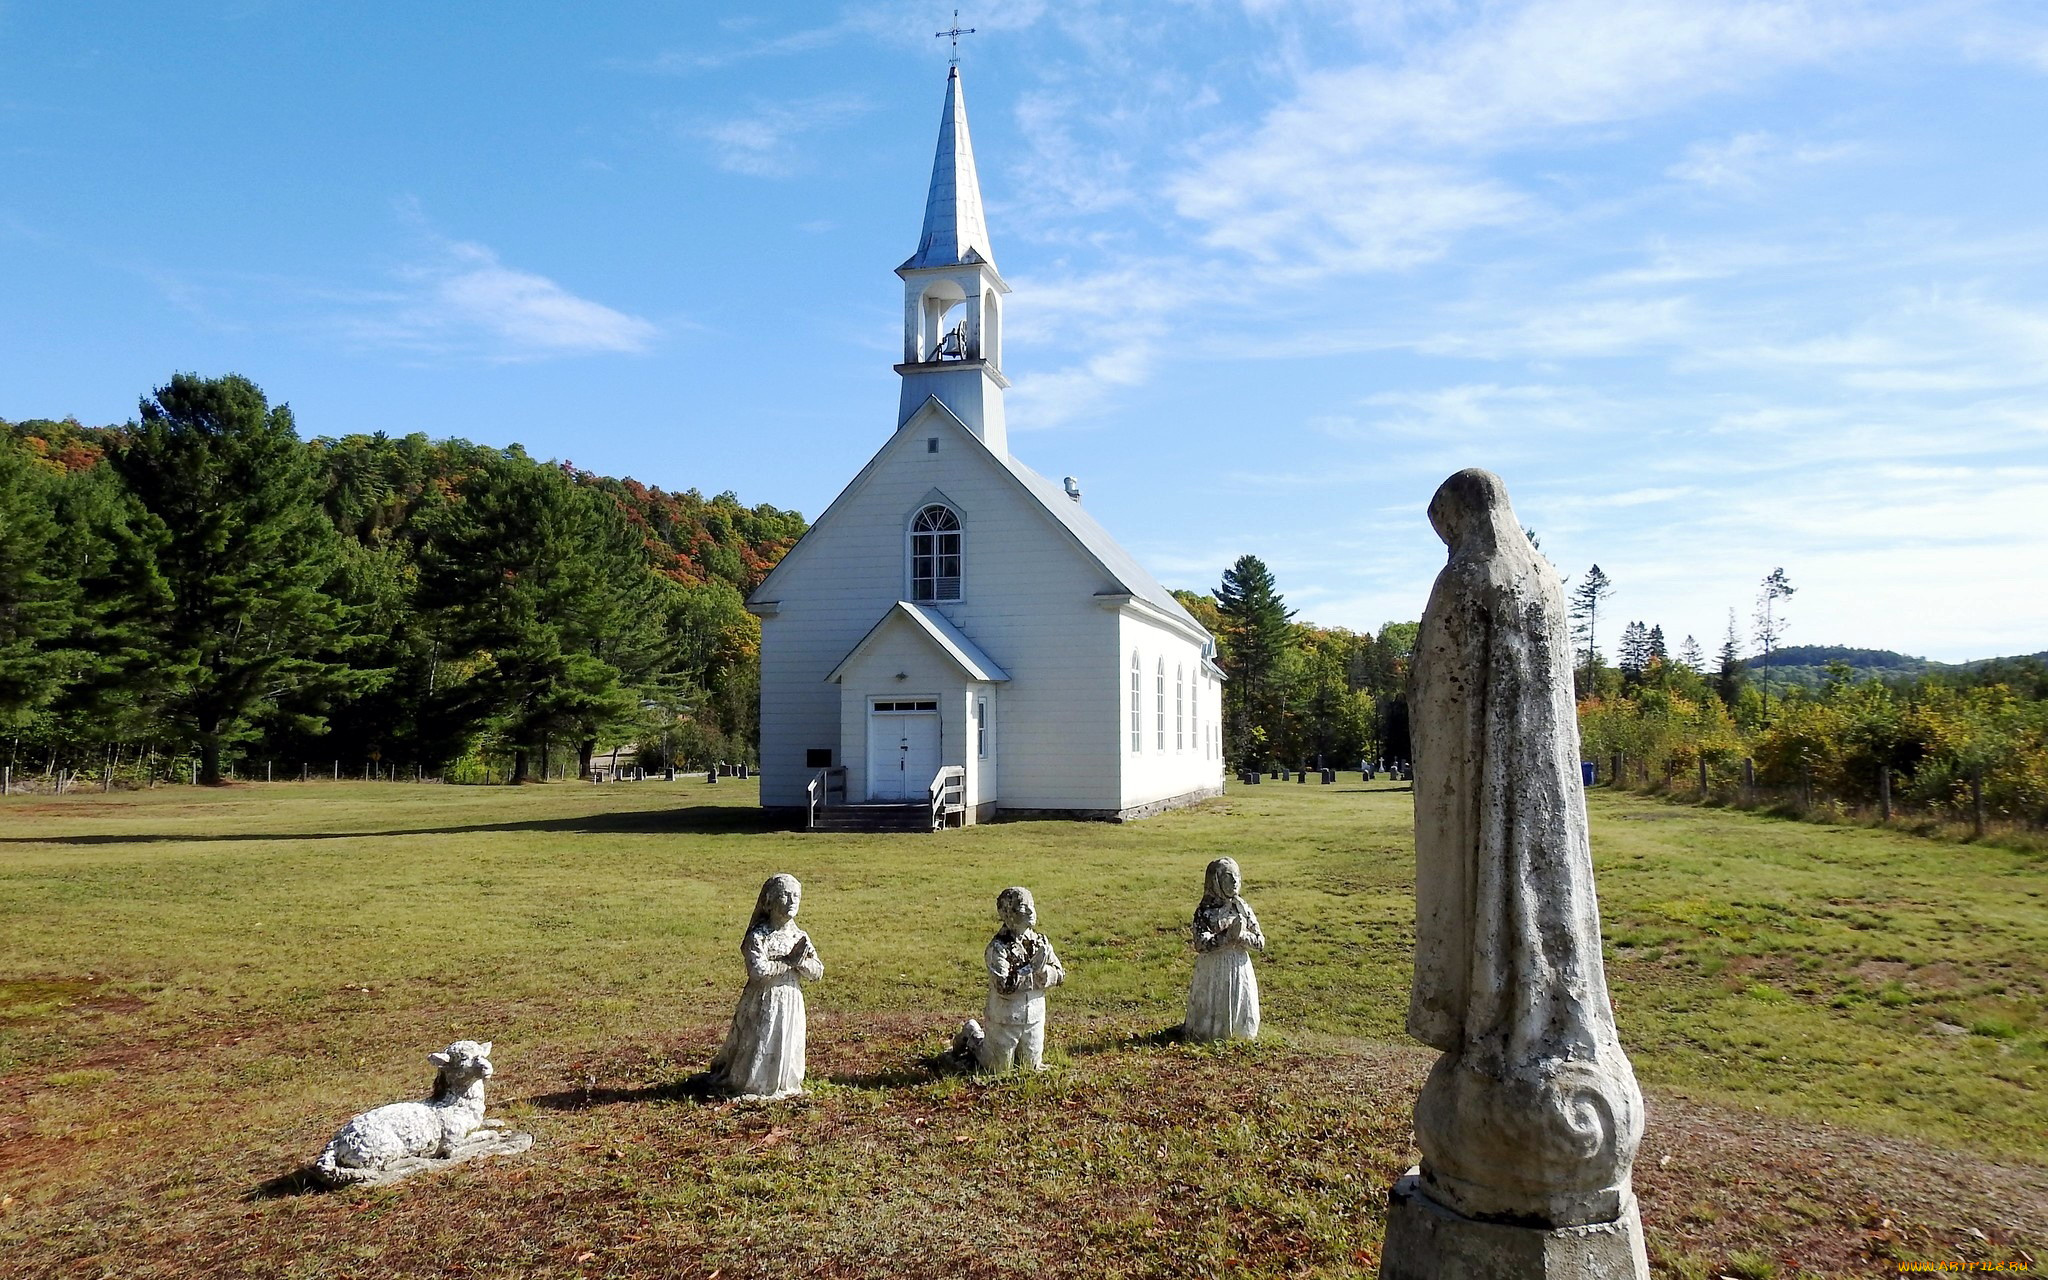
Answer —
(1021, 968)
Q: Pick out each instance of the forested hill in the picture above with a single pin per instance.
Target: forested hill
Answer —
(1807, 665)
(204, 580)
(374, 486)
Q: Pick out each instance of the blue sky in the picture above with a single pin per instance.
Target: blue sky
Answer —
(1716, 286)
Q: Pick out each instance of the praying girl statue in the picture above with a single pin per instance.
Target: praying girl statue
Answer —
(1223, 1002)
(1021, 968)
(763, 1054)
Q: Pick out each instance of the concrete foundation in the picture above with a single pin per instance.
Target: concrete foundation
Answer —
(1135, 813)
(1426, 1241)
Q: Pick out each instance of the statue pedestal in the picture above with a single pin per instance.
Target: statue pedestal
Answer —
(1426, 1241)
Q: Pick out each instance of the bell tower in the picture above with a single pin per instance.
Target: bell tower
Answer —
(952, 295)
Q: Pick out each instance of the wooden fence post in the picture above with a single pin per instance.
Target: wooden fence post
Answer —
(1748, 780)
(1614, 772)
(1884, 793)
(1977, 800)
(1703, 779)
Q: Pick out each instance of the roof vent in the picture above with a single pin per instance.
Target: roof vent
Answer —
(1073, 488)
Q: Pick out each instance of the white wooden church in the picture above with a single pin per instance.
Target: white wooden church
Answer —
(953, 618)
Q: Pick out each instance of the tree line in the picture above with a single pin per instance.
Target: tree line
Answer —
(1963, 743)
(203, 581)
(1954, 743)
(1299, 695)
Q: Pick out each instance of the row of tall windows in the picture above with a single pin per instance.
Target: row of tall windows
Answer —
(1189, 733)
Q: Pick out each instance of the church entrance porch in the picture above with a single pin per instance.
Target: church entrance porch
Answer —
(903, 748)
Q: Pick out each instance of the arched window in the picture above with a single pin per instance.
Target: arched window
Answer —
(1161, 704)
(1137, 703)
(935, 554)
(1180, 708)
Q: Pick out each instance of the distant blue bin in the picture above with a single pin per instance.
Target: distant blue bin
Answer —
(1586, 770)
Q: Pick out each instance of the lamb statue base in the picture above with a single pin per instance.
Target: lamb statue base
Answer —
(380, 1147)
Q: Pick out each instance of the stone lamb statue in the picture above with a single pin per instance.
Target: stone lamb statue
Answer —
(1530, 1120)
(395, 1141)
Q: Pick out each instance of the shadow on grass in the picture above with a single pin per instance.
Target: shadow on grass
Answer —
(689, 1089)
(296, 1183)
(922, 1070)
(1175, 1034)
(694, 820)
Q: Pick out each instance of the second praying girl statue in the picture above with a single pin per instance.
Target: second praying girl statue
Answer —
(1223, 1001)
(763, 1054)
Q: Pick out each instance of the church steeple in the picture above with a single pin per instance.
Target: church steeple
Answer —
(952, 316)
(954, 229)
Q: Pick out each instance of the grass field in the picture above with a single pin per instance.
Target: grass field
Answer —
(1842, 1033)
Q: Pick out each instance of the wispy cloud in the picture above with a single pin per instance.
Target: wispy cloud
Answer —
(762, 144)
(736, 47)
(1925, 340)
(1371, 166)
(1740, 163)
(1593, 327)
(457, 298)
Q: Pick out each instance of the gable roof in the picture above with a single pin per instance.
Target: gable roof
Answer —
(952, 641)
(1094, 541)
(1119, 564)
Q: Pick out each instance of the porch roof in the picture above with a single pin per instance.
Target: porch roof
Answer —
(951, 640)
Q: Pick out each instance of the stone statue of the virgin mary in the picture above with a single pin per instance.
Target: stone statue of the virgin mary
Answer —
(1530, 1120)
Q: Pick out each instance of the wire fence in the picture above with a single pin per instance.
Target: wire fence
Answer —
(1885, 801)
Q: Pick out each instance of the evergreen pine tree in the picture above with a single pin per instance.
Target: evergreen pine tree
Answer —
(1657, 651)
(1585, 612)
(629, 626)
(1690, 656)
(1254, 645)
(113, 690)
(512, 568)
(1634, 652)
(36, 608)
(230, 495)
(1770, 624)
(1728, 677)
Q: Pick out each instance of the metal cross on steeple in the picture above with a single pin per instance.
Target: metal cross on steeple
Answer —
(954, 35)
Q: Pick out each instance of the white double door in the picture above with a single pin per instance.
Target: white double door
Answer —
(903, 754)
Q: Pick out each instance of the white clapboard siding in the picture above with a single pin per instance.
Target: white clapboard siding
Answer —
(1034, 601)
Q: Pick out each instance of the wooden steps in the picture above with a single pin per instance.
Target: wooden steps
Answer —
(916, 816)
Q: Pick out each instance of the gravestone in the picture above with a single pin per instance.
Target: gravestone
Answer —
(1530, 1119)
